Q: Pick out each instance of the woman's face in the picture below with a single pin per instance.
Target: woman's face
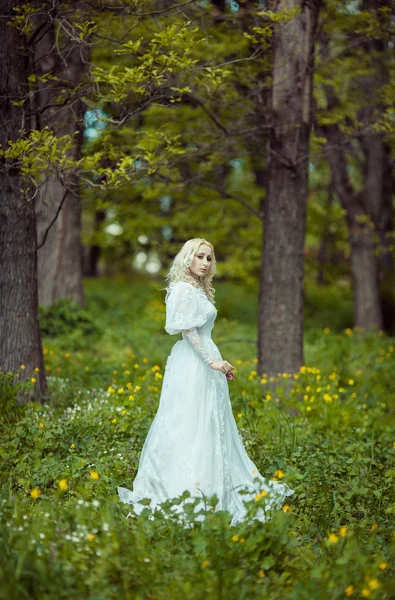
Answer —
(201, 262)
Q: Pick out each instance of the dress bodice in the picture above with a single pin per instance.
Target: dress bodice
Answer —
(187, 307)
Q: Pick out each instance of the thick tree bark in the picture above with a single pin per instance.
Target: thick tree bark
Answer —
(20, 340)
(280, 337)
(60, 255)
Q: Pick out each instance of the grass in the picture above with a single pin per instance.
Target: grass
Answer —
(63, 531)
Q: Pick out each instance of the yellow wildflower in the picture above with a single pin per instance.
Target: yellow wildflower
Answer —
(72, 446)
(33, 379)
(67, 355)
(383, 565)
(205, 564)
(35, 493)
(41, 425)
(351, 382)
(22, 367)
(158, 376)
(123, 412)
(348, 331)
(349, 590)
(365, 593)
(63, 484)
(94, 475)
(261, 573)
(90, 536)
(36, 369)
(240, 415)
(260, 495)
(286, 508)
(120, 390)
(137, 388)
(235, 538)
(145, 359)
(373, 526)
(279, 473)
(110, 390)
(326, 330)
(373, 584)
(242, 540)
(114, 421)
(343, 531)
(131, 397)
(136, 366)
(333, 538)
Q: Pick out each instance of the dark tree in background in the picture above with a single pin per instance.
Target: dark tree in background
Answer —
(20, 341)
(59, 106)
(280, 342)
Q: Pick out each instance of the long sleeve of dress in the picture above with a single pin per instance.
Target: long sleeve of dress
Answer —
(193, 338)
(184, 314)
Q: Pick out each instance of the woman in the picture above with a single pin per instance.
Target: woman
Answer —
(193, 443)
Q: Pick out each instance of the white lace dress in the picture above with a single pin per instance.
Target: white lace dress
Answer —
(193, 443)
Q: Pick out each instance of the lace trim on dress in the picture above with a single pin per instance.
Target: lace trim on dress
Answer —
(194, 339)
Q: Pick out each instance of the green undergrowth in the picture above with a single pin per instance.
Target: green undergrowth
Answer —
(327, 431)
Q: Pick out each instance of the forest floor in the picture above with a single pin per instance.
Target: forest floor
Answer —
(63, 531)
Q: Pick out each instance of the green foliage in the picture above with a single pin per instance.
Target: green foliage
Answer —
(64, 316)
(10, 410)
(327, 431)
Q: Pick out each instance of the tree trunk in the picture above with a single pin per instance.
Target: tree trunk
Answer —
(280, 337)
(58, 204)
(362, 214)
(92, 253)
(20, 340)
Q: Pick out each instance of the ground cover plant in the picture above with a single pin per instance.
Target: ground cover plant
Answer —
(328, 431)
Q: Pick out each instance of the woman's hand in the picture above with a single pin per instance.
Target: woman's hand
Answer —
(224, 366)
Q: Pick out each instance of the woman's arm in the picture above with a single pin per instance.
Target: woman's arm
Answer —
(194, 339)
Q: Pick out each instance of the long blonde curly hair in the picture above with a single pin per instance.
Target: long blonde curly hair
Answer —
(179, 270)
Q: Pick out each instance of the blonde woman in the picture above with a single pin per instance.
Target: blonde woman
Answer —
(193, 443)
